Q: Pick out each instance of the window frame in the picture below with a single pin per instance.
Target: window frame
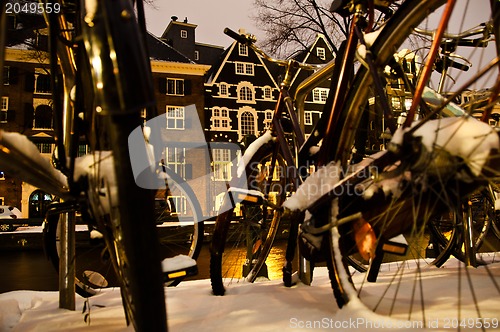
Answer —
(242, 49)
(177, 116)
(222, 164)
(220, 119)
(178, 87)
(308, 118)
(4, 109)
(321, 53)
(244, 68)
(320, 95)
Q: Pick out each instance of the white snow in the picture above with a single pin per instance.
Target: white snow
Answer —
(251, 150)
(21, 144)
(176, 263)
(99, 167)
(263, 306)
(463, 137)
(316, 185)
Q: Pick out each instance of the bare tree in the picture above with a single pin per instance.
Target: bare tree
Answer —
(291, 26)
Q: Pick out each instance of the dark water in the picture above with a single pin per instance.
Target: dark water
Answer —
(30, 269)
(26, 270)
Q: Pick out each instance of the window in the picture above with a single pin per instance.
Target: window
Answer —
(175, 160)
(39, 202)
(245, 94)
(243, 50)
(320, 95)
(247, 124)
(83, 149)
(6, 75)
(223, 89)
(396, 103)
(184, 34)
(221, 164)
(44, 147)
(4, 109)
(175, 117)
(308, 118)
(320, 52)
(2, 177)
(197, 55)
(243, 68)
(179, 203)
(42, 82)
(43, 117)
(268, 118)
(220, 119)
(175, 87)
(268, 93)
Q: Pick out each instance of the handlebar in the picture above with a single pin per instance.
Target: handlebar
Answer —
(249, 40)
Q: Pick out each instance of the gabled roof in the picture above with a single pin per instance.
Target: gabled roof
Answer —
(159, 50)
(308, 56)
(215, 70)
(212, 72)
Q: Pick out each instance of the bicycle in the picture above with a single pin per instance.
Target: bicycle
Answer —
(358, 207)
(101, 94)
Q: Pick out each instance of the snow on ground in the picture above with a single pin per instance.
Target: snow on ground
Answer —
(262, 306)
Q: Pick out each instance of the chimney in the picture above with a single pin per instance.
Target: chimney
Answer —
(186, 20)
(174, 18)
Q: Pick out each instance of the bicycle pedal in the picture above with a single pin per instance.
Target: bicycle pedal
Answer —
(246, 196)
(180, 266)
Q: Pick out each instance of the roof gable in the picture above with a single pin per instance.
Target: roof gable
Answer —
(159, 50)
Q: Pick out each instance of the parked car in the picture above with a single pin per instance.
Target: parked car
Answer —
(7, 213)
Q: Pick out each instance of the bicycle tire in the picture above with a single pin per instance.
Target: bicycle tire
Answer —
(93, 269)
(124, 212)
(391, 38)
(236, 239)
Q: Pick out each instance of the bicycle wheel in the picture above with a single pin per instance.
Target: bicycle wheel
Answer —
(241, 244)
(122, 87)
(404, 199)
(180, 232)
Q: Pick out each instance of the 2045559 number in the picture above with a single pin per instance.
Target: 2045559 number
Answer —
(32, 8)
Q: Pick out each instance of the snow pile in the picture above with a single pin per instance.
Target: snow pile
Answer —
(464, 137)
(263, 306)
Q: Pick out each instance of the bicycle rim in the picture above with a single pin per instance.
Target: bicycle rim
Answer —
(405, 293)
(241, 244)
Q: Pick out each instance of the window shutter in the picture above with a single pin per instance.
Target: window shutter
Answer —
(13, 75)
(187, 87)
(29, 113)
(189, 171)
(29, 82)
(162, 85)
(11, 115)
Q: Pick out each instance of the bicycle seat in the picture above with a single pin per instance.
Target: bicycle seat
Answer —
(340, 7)
(343, 7)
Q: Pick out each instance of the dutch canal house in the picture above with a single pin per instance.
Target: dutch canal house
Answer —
(27, 102)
